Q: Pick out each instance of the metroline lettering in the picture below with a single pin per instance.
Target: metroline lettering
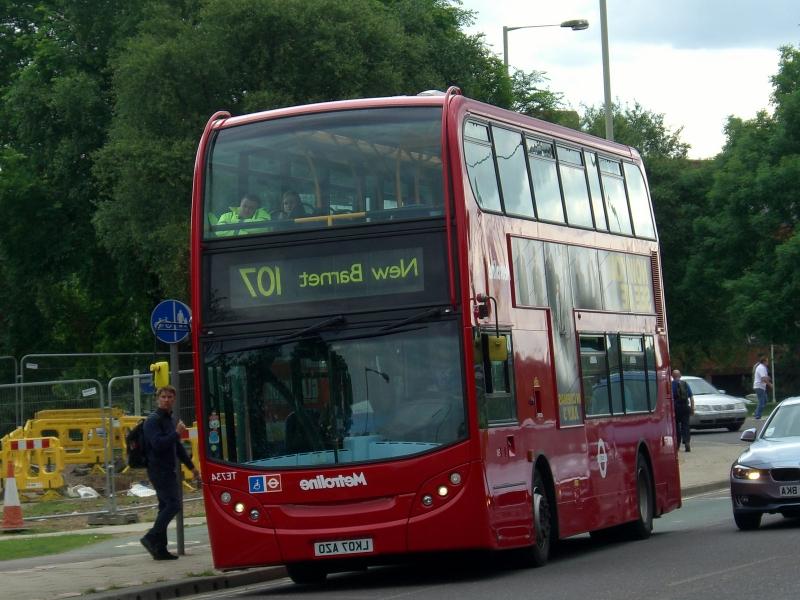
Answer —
(321, 482)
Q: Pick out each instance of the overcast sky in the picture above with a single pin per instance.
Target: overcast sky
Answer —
(695, 61)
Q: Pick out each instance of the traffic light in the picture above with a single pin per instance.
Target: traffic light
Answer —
(160, 371)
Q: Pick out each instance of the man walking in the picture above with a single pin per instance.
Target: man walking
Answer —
(684, 408)
(761, 380)
(162, 445)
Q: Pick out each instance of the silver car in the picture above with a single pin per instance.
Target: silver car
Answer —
(714, 408)
(766, 477)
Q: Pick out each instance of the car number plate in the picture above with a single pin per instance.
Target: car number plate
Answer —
(790, 490)
(339, 547)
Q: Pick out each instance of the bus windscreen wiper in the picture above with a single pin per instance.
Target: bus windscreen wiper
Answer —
(431, 312)
(337, 320)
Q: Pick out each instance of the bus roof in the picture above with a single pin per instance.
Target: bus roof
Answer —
(459, 103)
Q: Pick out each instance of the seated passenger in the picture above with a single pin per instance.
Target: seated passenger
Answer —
(292, 207)
(248, 211)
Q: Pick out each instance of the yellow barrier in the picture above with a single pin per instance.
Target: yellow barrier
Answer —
(79, 436)
(38, 463)
(77, 413)
(83, 438)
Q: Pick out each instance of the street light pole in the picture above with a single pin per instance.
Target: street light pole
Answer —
(574, 24)
(606, 74)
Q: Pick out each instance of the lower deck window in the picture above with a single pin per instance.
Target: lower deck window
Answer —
(494, 383)
(617, 374)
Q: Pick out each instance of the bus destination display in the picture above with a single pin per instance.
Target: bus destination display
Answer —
(271, 282)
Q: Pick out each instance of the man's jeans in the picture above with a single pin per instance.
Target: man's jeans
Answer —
(762, 401)
(682, 424)
(169, 504)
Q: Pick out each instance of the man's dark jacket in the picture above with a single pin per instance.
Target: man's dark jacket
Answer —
(161, 443)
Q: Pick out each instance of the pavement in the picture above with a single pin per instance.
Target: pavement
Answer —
(120, 569)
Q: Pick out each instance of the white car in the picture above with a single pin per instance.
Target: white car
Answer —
(714, 408)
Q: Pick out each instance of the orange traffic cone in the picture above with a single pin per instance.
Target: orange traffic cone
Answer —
(12, 511)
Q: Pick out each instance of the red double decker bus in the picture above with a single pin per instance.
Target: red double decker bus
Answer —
(439, 325)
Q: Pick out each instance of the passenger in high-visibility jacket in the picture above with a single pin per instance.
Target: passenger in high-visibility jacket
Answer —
(248, 211)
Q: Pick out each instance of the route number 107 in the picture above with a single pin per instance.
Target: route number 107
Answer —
(262, 281)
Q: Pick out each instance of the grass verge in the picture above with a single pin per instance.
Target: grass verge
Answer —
(35, 546)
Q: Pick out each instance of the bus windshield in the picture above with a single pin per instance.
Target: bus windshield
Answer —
(325, 396)
(324, 170)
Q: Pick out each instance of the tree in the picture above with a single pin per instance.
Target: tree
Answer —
(635, 126)
(101, 107)
(755, 215)
(746, 243)
(532, 98)
(53, 112)
(172, 76)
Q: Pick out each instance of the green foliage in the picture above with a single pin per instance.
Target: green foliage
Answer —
(637, 127)
(101, 107)
(532, 98)
(54, 111)
(743, 259)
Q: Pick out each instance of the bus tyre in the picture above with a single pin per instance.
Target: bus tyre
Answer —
(747, 521)
(306, 573)
(642, 527)
(539, 553)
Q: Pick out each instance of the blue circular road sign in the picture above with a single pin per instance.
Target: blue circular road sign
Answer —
(171, 321)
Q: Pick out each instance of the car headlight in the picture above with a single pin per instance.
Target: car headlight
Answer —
(749, 473)
(702, 408)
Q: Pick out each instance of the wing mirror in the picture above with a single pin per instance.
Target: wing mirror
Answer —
(748, 435)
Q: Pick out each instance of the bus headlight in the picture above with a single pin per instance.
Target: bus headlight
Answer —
(238, 508)
(455, 478)
(427, 500)
(254, 514)
(442, 491)
(225, 497)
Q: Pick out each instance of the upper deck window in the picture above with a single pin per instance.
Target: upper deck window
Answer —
(619, 219)
(598, 209)
(544, 176)
(324, 170)
(573, 180)
(513, 172)
(480, 166)
(476, 131)
(640, 206)
(569, 184)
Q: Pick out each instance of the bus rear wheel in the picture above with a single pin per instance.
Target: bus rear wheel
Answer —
(539, 553)
(642, 527)
(306, 573)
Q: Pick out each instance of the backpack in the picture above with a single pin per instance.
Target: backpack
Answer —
(137, 458)
(682, 397)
